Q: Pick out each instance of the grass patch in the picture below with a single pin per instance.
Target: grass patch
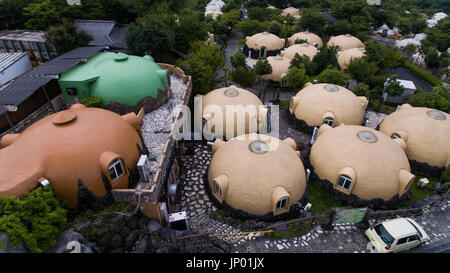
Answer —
(241, 42)
(284, 104)
(319, 199)
(292, 230)
(418, 193)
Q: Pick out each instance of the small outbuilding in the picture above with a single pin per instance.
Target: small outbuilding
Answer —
(344, 42)
(360, 166)
(262, 45)
(303, 49)
(125, 83)
(256, 176)
(242, 112)
(409, 89)
(324, 103)
(83, 153)
(280, 67)
(426, 133)
(311, 38)
(345, 57)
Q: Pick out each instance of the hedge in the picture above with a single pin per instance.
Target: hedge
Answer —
(423, 74)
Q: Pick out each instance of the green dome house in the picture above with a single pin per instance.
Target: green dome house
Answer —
(125, 83)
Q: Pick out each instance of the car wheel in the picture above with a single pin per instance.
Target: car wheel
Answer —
(371, 247)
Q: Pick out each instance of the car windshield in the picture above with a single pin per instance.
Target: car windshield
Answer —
(384, 234)
(418, 231)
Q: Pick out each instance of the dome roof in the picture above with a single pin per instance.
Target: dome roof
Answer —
(280, 67)
(268, 169)
(315, 102)
(78, 143)
(344, 57)
(301, 49)
(294, 12)
(313, 39)
(426, 132)
(245, 103)
(345, 42)
(116, 77)
(269, 40)
(376, 164)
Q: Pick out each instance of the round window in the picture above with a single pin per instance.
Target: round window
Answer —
(331, 88)
(231, 92)
(258, 147)
(367, 136)
(436, 115)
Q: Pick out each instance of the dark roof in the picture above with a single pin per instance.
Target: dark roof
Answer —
(53, 67)
(81, 52)
(2, 110)
(21, 89)
(104, 32)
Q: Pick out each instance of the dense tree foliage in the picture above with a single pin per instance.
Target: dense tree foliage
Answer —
(66, 37)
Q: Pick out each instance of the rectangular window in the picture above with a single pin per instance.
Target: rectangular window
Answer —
(116, 170)
(218, 190)
(344, 182)
(402, 241)
(282, 203)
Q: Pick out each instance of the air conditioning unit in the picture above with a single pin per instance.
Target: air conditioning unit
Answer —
(143, 167)
(178, 220)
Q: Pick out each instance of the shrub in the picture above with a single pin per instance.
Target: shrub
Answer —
(36, 219)
(445, 177)
(93, 102)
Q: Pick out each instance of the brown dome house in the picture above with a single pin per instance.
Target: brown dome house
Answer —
(344, 42)
(426, 133)
(345, 57)
(309, 37)
(82, 152)
(325, 103)
(241, 107)
(263, 44)
(303, 49)
(256, 176)
(280, 68)
(361, 166)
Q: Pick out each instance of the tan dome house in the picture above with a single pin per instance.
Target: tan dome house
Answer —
(344, 42)
(344, 57)
(80, 151)
(262, 45)
(311, 38)
(426, 133)
(238, 107)
(304, 49)
(265, 181)
(280, 67)
(294, 12)
(324, 103)
(361, 166)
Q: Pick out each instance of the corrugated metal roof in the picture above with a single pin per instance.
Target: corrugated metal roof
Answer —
(53, 67)
(21, 89)
(8, 59)
(82, 52)
(104, 32)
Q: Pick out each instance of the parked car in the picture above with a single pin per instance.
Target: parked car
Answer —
(396, 235)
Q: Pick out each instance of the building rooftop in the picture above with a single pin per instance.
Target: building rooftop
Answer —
(104, 32)
(8, 59)
(23, 35)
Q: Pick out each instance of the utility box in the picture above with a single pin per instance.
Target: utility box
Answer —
(178, 220)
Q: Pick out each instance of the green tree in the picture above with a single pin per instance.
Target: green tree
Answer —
(430, 100)
(262, 68)
(202, 74)
(149, 35)
(250, 27)
(362, 90)
(243, 77)
(361, 70)
(333, 75)
(66, 37)
(238, 60)
(42, 15)
(312, 20)
(432, 58)
(296, 77)
(210, 54)
(409, 50)
(323, 59)
(393, 87)
(191, 27)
